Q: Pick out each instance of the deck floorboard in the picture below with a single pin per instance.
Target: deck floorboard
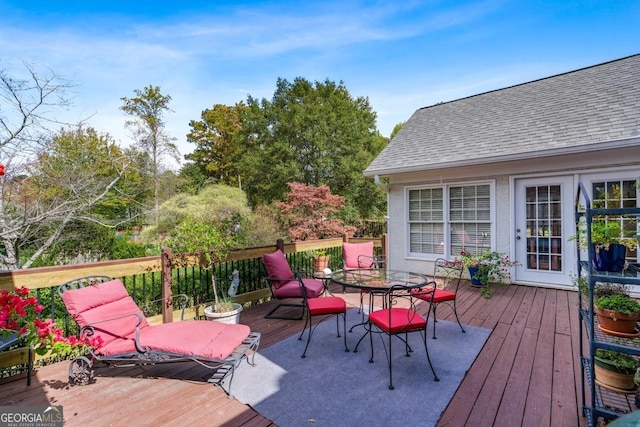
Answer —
(526, 374)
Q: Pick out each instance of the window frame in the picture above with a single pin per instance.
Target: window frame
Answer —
(446, 220)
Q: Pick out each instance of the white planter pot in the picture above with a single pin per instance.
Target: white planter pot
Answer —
(224, 317)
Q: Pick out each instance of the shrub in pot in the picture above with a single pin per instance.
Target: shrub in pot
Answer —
(617, 314)
(614, 370)
(600, 289)
(320, 260)
(608, 245)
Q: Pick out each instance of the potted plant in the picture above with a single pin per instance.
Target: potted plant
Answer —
(202, 237)
(600, 289)
(608, 244)
(320, 260)
(615, 371)
(618, 314)
(487, 267)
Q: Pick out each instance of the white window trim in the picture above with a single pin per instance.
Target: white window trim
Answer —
(445, 187)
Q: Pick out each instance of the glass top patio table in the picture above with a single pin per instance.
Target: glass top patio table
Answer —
(378, 279)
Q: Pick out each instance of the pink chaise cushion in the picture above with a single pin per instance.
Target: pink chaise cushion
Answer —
(199, 338)
(351, 252)
(278, 267)
(108, 300)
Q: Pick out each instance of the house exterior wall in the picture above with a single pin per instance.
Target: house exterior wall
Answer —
(576, 166)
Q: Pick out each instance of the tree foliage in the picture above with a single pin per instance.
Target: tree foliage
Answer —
(309, 212)
(313, 133)
(216, 137)
(74, 178)
(221, 205)
(147, 108)
(396, 129)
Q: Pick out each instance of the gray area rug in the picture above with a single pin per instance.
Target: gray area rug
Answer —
(331, 387)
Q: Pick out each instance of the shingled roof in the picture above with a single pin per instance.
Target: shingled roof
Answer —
(588, 109)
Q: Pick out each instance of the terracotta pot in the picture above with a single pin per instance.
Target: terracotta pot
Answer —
(614, 323)
(320, 263)
(612, 377)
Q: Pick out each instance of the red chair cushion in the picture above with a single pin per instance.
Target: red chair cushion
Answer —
(351, 252)
(326, 305)
(291, 289)
(400, 320)
(440, 295)
(278, 267)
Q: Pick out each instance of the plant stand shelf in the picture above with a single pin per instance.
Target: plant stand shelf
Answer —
(603, 403)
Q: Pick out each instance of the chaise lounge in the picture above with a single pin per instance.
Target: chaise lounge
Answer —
(103, 308)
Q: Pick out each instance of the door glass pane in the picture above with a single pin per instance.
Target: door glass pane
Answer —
(544, 228)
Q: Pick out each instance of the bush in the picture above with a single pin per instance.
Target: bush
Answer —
(620, 303)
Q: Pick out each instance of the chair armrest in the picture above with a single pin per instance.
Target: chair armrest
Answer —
(368, 261)
(89, 330)
(280, 279)
(427, 289)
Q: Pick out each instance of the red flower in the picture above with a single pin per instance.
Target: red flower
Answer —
(1, 169)
(19, 313)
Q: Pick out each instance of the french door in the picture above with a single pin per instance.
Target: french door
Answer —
(544, 221)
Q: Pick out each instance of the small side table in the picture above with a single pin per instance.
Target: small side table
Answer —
(326, 279)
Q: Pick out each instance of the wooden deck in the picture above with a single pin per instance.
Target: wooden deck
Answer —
(527, 373)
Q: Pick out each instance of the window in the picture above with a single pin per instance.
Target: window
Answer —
(426, 214)
(461, 213)
(619, 193)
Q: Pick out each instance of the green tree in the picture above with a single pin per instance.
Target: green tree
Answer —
(147, 108)
(216, 137)
(191, 178)
(203, 235)
(396, 129)
(73, 180)
(313, 133)
(218, 204)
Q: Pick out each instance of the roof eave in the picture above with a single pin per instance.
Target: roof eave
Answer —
(623, 143)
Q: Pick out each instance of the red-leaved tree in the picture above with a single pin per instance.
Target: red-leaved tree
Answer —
(310, 213)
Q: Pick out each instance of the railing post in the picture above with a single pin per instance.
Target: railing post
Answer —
(167, 295)
(345, 238)
(280, 244)
(384, 242)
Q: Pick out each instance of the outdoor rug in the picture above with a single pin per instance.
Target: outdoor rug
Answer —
(331, 387)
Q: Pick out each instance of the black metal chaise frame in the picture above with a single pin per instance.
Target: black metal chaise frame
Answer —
(81, 369)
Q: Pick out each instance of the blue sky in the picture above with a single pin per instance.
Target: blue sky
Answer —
(402, 55)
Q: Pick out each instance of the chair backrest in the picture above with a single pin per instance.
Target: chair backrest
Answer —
(449, 273)
(352, 251)
(277, 268)
(107, 307)
(81, 282)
